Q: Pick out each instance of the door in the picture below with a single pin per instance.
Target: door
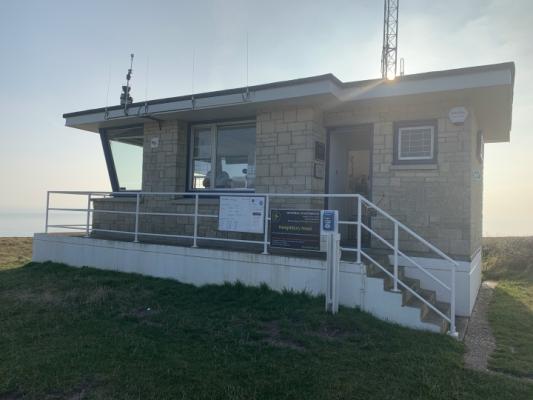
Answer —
(349, 171)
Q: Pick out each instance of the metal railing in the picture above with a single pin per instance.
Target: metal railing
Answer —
(398, 227)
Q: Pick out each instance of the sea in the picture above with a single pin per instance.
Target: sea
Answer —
(27, 222)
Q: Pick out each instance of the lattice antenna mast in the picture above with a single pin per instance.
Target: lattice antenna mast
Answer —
(390, 39)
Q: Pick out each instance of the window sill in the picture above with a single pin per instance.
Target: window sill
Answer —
(117, 199)
(418, 167)
(191, 200)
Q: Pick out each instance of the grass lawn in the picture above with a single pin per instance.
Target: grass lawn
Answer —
(510, 261)
(85, 333)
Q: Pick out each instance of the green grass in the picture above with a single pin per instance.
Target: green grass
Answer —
(508, 258)
(510, 261)
(85, 333)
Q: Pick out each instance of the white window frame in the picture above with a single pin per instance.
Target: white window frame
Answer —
(214, 128)
(405, 128)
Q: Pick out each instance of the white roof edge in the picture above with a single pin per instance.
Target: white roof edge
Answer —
(308, 88)
(400, 87)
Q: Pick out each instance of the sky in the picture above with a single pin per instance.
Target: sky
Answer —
(64, 56)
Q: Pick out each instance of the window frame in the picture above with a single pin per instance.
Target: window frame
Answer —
(110, 161)
(480, 146)
(214, 129)
(405, 125)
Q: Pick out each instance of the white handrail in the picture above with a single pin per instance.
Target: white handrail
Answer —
(397, 251)
(94, 196)
(410, 231)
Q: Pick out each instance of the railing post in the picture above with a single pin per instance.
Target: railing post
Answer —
(136, 238)
(47, 207)
(265, 236)
(194, 244)
(88, 215)
(359, 221)
(453, 331)
(395, 256)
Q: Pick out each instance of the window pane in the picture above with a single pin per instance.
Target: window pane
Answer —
(202, 143)
(201, 172)
(127, 149)
(235, 161)
(416, 143)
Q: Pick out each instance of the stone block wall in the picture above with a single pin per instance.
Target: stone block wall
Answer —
(434, 200)
(161, 224)
(441, 202)
(285, 160)
(165, 165)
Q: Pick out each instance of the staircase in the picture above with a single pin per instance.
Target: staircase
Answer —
(427, 314)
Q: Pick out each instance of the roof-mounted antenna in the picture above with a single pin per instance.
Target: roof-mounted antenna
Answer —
(125, 98)
(146, 85)
(193, 100)
(247, 69)
(107, 92)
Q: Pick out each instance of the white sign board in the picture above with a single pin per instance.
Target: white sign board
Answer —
(241, 214)
(458, 115)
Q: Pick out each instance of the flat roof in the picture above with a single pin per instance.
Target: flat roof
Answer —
(315, 90)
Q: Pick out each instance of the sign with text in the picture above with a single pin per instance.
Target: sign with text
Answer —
(329, 221)
(241, 214)
(295, 229)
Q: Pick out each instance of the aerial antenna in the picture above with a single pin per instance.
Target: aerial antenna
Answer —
(247, 68)
(107, 91)
(146, 84)
(192, 76)
(125, 98)
(390, 39)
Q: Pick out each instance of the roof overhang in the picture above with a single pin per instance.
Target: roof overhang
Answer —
(490, 89)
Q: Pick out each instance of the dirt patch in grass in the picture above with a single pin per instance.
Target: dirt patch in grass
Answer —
(57, 298)
(45, 297)
(274, 337)
(332, 332)
(15, 251)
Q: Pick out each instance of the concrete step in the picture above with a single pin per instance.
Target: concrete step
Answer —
(427, 314)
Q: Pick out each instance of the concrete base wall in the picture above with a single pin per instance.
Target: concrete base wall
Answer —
(207, 266)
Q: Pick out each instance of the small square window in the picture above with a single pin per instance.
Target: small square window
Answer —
(415, 143)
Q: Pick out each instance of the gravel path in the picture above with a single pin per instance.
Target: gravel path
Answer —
(479, 340)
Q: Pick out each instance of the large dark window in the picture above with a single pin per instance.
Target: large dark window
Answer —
(124, 156)
(222, 157)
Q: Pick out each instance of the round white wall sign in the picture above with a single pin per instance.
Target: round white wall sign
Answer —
(458, 115)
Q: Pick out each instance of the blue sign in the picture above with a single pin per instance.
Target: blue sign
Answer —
(329, 220)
